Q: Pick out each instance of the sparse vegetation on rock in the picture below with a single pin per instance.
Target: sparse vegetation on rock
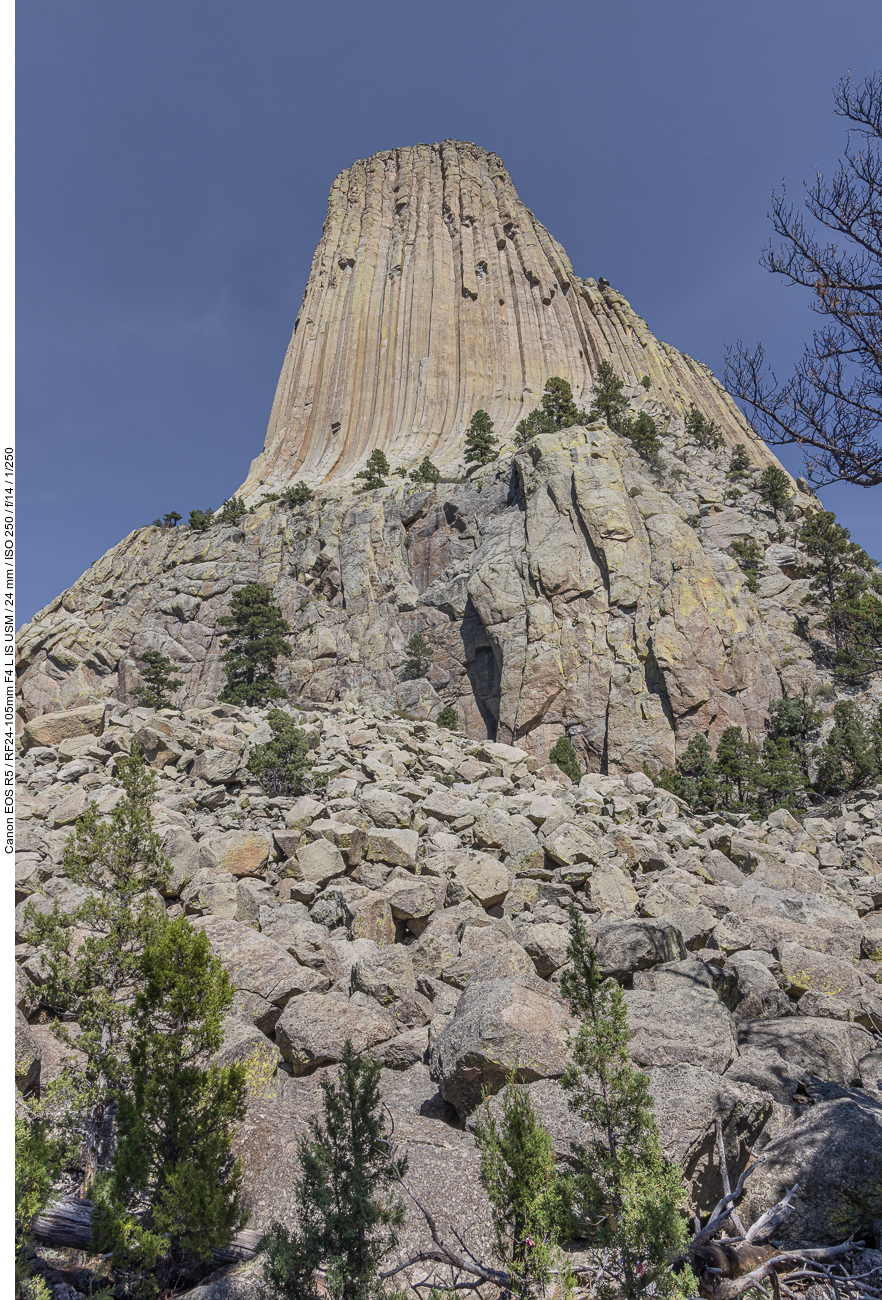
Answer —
(375, 471)
(479, 440)
(159, 685)
(255, 640)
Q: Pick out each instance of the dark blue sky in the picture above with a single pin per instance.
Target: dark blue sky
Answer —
(174, 161)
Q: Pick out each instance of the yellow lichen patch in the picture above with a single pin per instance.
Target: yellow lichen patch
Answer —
(260, 1072)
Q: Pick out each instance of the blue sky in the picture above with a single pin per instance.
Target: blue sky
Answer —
(174, 161)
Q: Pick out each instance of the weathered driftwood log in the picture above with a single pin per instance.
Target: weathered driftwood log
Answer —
(68, 1223)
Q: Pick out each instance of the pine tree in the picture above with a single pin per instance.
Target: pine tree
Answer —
(375, 471)
(774, 488)
(283, 765)
(518, 1174)
(795, 720)
(532, 425)
(843, 583)
(563, 755)
(626, 1197)
(780, 782)
(172, 519)
(177, 1119)
(425, 472)
(347, 1218)
(697, 775)
(558, 405)
(704, 431)
(448, 718)
(749, 554)
(255, 641)
(297, 495)
(119, 861)
(736, 771)
(39, 1160)
(740, 463)
(851, 755)
(643, 434)
(231, 511)
(420, 654)
(201, 520)
(608, 401)
(155, 670)
(479, 440)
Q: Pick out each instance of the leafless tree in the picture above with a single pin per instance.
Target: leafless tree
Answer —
(832, 404)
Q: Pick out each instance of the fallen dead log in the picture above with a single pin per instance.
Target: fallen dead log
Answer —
(68, 1222)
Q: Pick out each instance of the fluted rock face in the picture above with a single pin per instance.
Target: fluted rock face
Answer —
(435, 291)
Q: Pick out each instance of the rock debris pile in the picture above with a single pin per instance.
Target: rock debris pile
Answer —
(418, 903)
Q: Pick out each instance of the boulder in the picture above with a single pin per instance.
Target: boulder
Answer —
(186, 859)
(546, 945)
(610, 890)
(53, 728)
(804, 1045)
(307, 942)
(241, 853)
(264, 975)
(244, 1043)
(254, 897)
(303, 811)
(371, 918)
(514, 1024)
(27, 1055)
(317, 863)
(834, 1152)
(434, 953)
(414, 898)
(570, 844)
(211, 892)
(385, 808)
(626, 946)
(216, 766)
(478, 877)
(487, 954)
(397, 847)
(403, 1051)
(27, 993)
(312, 1030)
(69, 807)
(690, 1027)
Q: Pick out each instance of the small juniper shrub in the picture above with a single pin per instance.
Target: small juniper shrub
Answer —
(739, 463)
(564, 756)
(448, 718)
(231, 511)
(201, 520)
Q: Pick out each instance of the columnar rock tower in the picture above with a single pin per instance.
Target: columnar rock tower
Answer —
(435, 291)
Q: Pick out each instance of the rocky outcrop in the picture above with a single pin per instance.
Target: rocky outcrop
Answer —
(435, 291)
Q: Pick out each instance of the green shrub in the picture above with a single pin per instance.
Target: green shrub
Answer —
(231, 511)
(448, 718)
(739, 463)
(564, 756)
(283, 765)
(851, 755)
(705, 432)
(420, 654)
(844, 584)
(426, 472)
(201, 520)
(749, 555)
(774, 488)
(646, 382)
(299, 494)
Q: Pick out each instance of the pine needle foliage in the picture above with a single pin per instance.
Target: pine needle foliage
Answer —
(519, 1175)
(231, 511)
(609, 403)
(627, 1199)
(156, 670)
(749, 554)
(175, 1122)
(283, 765)
(297, 495)
(39, 1160)
(254, 641)
(851, 755)
(845, 584)
(347, 1215)
(564, 756)
(448, 718)
(774, 488)
(480, 443)
(375, 471)
(119, 861)
(201, 520)
(705, 432)
(419, 656)
(739, 463)
(425, 472)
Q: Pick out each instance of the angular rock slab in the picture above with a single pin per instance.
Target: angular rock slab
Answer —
(312, 1030)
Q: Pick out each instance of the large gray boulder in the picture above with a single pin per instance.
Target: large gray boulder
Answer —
(798, 1047)
(312, 1030)
(265, 976)
(688, 1027)
(514, 1024)
(626, 946)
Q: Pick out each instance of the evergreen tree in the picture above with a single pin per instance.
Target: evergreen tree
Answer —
(643, 434)
(608, 401)
(736, 771)
(780, 782)
(740, 463)
(297, 495)
(39, 1160)
(774, 488)
(94, 978)
(564, 756)
(201, 520)
(626, 1197)
(347, 1219)
(479, 440)
(704, 431)
(426, 472)
(283, 765)
(851, 755)
(795, 720)
(843, 582)
(558, 405)
(375, 471)
(255, 640)
(420, 654)
(175, 1122)
(448, 718)
(155, 670)
(697, 775)
(518, 1174)
(231, 511)
(172, 519)
(535, 423)
(749, 554)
